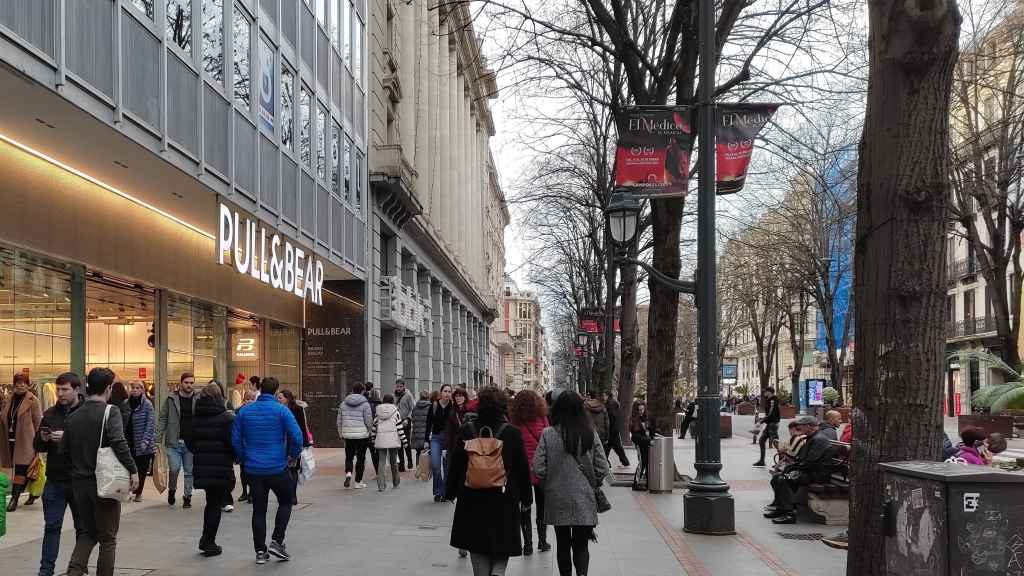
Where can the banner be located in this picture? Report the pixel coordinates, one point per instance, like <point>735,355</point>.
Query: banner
<point>267,87</point>
<point>653,150</point>
<point>738,127</point>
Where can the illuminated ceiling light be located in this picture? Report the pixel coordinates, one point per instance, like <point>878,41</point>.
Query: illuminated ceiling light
<point>103,185</point>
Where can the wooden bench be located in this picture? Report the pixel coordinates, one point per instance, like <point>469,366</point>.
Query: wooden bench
<point>829,502</point>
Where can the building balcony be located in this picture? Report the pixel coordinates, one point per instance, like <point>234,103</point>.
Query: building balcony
<point>402,308</point>
<point>961,269</point>
<point>394,179</point>
<point>970,327</point>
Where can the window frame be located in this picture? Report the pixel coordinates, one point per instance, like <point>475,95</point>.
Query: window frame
<point>239,10</point>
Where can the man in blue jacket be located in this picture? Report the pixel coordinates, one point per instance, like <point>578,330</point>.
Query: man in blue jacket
<point>256,436</point>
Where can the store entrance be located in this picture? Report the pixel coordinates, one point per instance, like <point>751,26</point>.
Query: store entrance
<point>120,329</point>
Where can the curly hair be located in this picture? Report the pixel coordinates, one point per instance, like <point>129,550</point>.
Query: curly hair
<point>527,406</point>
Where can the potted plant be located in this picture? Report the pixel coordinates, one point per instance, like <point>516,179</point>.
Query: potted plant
<point>786,408</point>
<point>994,404</point>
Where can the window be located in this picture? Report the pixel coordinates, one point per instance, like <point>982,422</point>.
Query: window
<point>336,160</point>
<point>359,179</point>
<point>321,11</point>
<point>357,49</point>
<point>243,89</point>
<point>332,30</point>
<point>146,6</point>
<point>213,39</point>
<point>321,142</point>
<point>951,308</point>
<point>348,170</point>
<point>287,98</point>
<point>179,23</point>
<point>969,304</point>
<point>304,116</point>
<point>346,31</point>
<point>267,79</point>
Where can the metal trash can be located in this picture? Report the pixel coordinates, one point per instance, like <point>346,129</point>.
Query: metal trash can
<point>679,421</point>
<point>948,519</point>
<point>661,465</point>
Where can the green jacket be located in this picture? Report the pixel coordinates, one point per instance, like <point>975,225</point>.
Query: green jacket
<point>168,426</point>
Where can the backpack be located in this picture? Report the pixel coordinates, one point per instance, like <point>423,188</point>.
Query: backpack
<point>486,466</point>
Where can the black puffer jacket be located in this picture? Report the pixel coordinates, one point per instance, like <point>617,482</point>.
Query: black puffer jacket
<point>210,444</point>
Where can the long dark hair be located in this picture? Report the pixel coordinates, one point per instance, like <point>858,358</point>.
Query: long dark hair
<point>118,394</point>
<point>492,403</point>
<point>290,396</point>
<point>636,420</point>
<point>573,423</point>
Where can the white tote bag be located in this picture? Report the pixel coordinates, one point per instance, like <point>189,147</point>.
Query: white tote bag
<point>113,481</point>
<point>307,465</point>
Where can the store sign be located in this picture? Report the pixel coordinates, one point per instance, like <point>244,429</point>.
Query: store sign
<point>244,348</point>
<point>267,84</point>
<point>265,255</point>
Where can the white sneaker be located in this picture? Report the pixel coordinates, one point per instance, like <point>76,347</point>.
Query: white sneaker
<point>359,485</point>
<point>228,508</point>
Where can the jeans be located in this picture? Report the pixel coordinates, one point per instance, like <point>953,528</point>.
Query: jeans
<point>57,496</point>
<point>784,490</point>
<point>389,455</point>
<point>216,498</point>
<point>572,549</point>
<point>615,443</point>
<point>438,442</point>
<point>260,488</point>
<point>99,520</point>
<point>177,458</point>
<point>142,462</point>
<point>484,565</point>
<point>355,448</point>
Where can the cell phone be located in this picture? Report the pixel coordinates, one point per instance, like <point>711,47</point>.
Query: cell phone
<point>45,429</point>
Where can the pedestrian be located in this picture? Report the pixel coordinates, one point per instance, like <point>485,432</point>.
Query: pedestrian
<point>141,432</point>
<point>388,440</point>
<point>639,433</point>
<point>770,421</point>
<point>266,437</point>
<point>598,415</point>
<point>374,396</point>
<point>119,400</point>
<point>419,424</point>
<point>437,438</point>
<point>91,426</point>
<point>614,433</point>
<point>973,438</point>
<point>406,404</point>
<point>689,416</point>
<point>57,494</point>
<point>488,506</point>
<point>248,398</point>
<point>457,415</point>
<point>355,420</point>
<point>529,414</point>
<point>173,429</point>
<point>298,409</point>
<point>830,427</point>
<point>568,457</point>
<point>236,396</point>
<point>214,458</point>
<point>21,415</point>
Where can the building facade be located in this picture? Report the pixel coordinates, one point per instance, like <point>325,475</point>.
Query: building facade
<point>525,365</point>
<point>185,182</point>
<point>437,214</point>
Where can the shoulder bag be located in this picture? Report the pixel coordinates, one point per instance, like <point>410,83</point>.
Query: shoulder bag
<point>113,481</point>
<point>603,505</point>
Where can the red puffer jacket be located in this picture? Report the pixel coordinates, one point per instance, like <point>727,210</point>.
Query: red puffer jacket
<point>531,432</point>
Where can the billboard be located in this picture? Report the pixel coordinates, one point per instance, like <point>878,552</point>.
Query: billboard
<point>737,127</point>
<point>267,87</point>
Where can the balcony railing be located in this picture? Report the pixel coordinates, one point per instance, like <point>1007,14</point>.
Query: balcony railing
<point>960,269</point>
<point>970,327</point>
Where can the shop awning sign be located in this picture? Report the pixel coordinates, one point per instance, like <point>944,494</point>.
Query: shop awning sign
<point>262,253</point>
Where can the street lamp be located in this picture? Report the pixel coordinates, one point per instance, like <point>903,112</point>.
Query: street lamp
<point>623,211</point>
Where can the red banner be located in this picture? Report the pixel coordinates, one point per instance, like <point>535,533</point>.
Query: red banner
<point>738,127</point>
<point>653,150</point>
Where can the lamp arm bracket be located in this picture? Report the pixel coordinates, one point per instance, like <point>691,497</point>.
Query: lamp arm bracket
<point>683,286</point>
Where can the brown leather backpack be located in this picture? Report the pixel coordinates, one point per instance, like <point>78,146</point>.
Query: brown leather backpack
<point>486,467</point>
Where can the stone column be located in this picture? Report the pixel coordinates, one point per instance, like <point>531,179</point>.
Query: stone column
<point>426,339</point>
<point>444,131</point>
<point>450,191</point>
<point>437,333</point>
<point>408,13</point>
<point>457,378</point>
<point>433,182</point>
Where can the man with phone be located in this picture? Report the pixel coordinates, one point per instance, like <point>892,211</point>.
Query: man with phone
<point>57,491</point>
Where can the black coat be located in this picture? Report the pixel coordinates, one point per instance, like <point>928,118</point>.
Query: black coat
<point>487,521</point>
<point>210,444</point>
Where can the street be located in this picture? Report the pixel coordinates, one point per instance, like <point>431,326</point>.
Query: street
<point>334,530</point>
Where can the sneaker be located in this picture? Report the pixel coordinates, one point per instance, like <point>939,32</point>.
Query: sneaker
<point>262,557</point>
<point>278,550</point>
<point>463,553</point>
<point>759,464</point>
<point>359,485</point>
<point>210,550</point>
<point>186,502</point>
<point>138,498</point>
<point>437,498</point>
<point>544,546</point>
<point>244,497</point>
<point>839,542</point>
<point>170,498</point>
<point>228,508</point>
<point>785,519</point>
<point>348,480</point>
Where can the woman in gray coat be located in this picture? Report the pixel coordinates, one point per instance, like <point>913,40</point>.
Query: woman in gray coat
<point>570,453</point>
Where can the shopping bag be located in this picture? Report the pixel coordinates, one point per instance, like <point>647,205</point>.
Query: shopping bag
<point>33,468</point>
<point>423,466</point>
<point>5,487</point>
<point>160,469</point>
<point>113,481</point>
<point>36,485</point>
<point>307,465</point>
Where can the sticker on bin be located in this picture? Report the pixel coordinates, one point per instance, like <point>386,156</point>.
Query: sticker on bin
<point>971,501</point>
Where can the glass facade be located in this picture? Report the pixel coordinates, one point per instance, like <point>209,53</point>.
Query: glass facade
<point>283,356</point>
<point>120,329</point>
<point>195,335</point>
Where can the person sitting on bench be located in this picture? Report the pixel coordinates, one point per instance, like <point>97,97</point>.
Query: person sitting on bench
<point>813,464</point>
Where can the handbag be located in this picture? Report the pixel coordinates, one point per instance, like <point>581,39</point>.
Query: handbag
<point>113,481</point>
<point>33,468</point>
<point>160,469</point>
<point>603,505</point>
<point>36,485</point>
<point>307,465</point>
<point>423,466</point>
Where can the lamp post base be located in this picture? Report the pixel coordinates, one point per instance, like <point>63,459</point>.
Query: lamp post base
<point>709,513</point>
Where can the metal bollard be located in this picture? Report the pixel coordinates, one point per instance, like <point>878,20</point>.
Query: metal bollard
<point>661,465</point>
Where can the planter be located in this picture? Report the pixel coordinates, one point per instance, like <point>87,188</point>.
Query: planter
<point>724,426</point>
<point>745,408</point>
<point>991,423</point>
<point>787,412</point>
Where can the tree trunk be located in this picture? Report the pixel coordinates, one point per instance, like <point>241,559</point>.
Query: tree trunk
<point>608,324</point>
<point>666,215</point>
<point>900,274</point>
<point>630,349</point>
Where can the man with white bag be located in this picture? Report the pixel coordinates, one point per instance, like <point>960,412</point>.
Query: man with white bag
<point>86,431</point>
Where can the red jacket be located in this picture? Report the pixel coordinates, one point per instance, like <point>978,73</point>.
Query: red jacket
<point>847,434</point>
<point>531,432</point>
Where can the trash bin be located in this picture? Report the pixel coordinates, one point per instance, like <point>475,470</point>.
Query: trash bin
<point>946,519</point>
<point>661,465</point>
<point>679,421</point>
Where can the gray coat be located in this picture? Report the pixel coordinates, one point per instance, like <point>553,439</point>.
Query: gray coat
<point>168,425</point>
<point>355,417</point>
<point>568,495</point>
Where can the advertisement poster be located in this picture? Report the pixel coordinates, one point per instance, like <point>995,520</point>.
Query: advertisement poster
<point>267,87</point>
<point>653,150</point>
<point>814,392</point>
<point>738,127</point>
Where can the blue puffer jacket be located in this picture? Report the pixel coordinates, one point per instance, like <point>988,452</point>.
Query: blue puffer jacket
<point>257,435</point>
<point>143,440</point>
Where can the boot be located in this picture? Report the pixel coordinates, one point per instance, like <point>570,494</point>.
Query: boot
<point>31,500</point>
<point>16,490</point>
<point>542,538</point>
<point>527,528</point>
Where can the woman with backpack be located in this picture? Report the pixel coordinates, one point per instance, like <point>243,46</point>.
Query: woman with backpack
<point>571,464</point>
<point>490,480</point>
<point>529,414</point>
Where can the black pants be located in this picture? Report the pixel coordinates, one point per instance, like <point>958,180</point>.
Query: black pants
<point>683,427</point>
<point>405,461</point>
<point>261,487</point>
<point>526,523</point>
<point>100,519</point>
<point>142,462</point>
<point>643,448</point>
<point>771,431</point>
<point>216,498</point>
<point>615,443</point>
<point>784,490</point>
<point>355,449</point>
<point>572,549</point>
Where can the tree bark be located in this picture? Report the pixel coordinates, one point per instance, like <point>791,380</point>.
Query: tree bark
<point>900,274</point>
<point>666,216</point>
<point>630,349</point>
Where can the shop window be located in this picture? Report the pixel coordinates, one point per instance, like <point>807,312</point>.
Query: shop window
<point>241,52</point>
<point>246,347</point>
<point>194,331</point>
<point>283,356</point>
<point>179,23</point>
<point>213,39</point>
<point>120,329</point>
<point>35,318</point>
